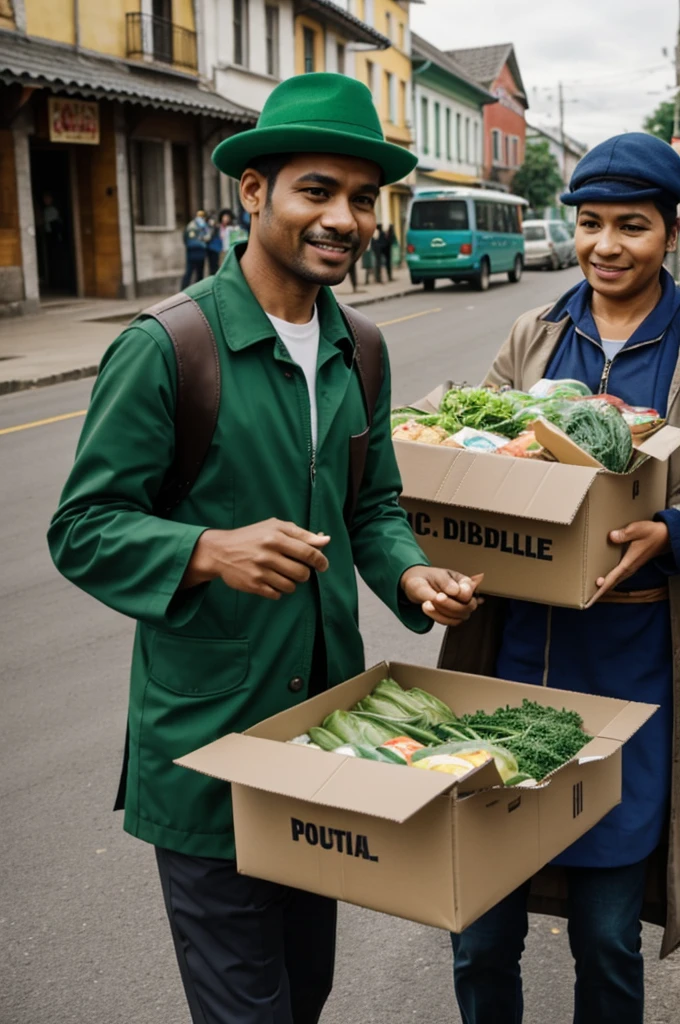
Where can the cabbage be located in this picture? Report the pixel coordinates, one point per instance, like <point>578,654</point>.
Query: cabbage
<point>599,429</point>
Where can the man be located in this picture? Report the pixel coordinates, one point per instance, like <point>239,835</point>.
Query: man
<point>197,234</point>
<point>389,241</point>
<point>246,596</point>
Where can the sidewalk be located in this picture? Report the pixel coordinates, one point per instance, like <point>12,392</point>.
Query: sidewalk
<point>67,339</point>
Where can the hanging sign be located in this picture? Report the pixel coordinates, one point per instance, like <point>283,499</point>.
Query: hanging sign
<point>73,121</point>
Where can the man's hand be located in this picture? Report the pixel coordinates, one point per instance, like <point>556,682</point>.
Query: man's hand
<point>646,540</point>
<point>268,559</point>
<point>443,594</point>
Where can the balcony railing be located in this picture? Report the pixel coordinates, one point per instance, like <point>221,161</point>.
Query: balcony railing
<point>157,39</point>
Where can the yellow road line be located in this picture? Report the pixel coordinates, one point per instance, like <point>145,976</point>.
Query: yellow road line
<point>43,423</point>
<point>411,316</point>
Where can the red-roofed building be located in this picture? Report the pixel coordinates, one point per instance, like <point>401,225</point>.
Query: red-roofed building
<point>496,68</point>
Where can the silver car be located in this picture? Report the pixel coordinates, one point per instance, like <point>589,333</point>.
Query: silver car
<point>548,244</point>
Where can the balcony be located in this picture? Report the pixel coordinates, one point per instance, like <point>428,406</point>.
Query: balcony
<point>149,37</point>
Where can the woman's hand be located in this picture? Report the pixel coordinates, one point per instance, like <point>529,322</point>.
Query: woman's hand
<point>443,594</point>
<point>646,540</point>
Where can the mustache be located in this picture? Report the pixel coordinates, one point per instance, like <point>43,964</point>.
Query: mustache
<point>351,240</point>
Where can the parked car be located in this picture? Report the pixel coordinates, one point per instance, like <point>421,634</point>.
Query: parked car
<point>464,234</point>
<point>548,244</point>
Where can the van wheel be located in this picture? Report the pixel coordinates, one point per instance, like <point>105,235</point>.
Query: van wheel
<point>428,284</point>
<point>481,280</point>
<point>515,275</point>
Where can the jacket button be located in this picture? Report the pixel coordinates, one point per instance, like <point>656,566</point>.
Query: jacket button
<point>296,684</point>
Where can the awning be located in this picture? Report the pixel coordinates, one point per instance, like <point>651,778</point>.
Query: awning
<point>452,177</point>
<point>38,64</point>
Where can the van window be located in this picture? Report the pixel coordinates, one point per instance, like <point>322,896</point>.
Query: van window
<point>498,219</point>
<point>440,215</point>
<point>534,233</point>
<point>483,216</point>
<point>512,220</point>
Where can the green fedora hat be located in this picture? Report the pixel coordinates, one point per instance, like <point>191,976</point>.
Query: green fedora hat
<point>316,113</point>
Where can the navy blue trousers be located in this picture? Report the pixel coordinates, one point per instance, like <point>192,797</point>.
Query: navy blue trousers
<point>249,951</point>
<point>604,934</point>
<point>194,268</point>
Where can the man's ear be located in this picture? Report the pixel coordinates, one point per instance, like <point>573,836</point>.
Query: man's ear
<point>253,191</point>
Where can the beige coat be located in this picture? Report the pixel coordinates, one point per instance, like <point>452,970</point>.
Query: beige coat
<point>473,647</point>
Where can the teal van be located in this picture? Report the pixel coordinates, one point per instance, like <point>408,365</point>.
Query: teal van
<point>464,234</point>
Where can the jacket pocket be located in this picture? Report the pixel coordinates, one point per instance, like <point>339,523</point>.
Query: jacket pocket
<point>194,667</point>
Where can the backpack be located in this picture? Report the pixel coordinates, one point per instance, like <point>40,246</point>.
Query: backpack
<point>199,389</point>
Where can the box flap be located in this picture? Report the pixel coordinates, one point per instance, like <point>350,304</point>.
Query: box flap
<point>662,444</point>
<point>628,721</point>
<point>545,491</point>
<point>432,401</point>
<point>317,777</point>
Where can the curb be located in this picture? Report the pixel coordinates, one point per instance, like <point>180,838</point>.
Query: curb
<point>8,387</point>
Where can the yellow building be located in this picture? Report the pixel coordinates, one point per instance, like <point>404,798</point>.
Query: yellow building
<point>106,129</point>
<point>369,40</point>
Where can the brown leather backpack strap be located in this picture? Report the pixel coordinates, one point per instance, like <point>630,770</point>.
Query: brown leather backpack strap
<point>198,394</point>
<point>368,359</point>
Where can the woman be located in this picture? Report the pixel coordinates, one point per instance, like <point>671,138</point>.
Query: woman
<point>619,332</point>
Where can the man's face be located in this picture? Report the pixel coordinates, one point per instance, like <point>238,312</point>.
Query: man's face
<point>319,217</point>
<point>621,246</point>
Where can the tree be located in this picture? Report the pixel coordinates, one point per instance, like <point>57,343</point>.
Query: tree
<point>660,123</point>
<point>538,180</point>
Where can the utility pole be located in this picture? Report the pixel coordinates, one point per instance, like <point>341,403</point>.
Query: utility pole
<point>562,135</point>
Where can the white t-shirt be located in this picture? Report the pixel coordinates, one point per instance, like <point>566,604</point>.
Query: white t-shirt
<point>611,348</point>
<point>302,343</point>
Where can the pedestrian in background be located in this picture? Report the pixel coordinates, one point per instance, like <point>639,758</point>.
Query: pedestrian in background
<point>197,234</point>
<point>618,331</point>
<point>227,229</point>
<point>389,240</point>
<point>372,259</point>
<point>214,248</point>
<point>246,595</point>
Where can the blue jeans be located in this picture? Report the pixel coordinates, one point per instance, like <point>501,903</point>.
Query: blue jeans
<point>194,267</point>
<point>604,907</point>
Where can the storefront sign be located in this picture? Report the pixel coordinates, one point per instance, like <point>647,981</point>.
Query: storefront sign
<point>73,121</point>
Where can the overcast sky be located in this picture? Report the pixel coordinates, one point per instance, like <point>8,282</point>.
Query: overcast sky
<point>606,52</point>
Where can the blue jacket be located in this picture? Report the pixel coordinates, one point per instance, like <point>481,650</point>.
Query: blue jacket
<point>623,651</point>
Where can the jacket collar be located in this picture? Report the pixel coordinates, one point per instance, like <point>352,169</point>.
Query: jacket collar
<point>245,323</point>
<point>575,304</point>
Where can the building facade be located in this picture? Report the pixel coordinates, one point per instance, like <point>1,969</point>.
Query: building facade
<point>448,118</point>
<point>496,68</point>
<point>106,129</point>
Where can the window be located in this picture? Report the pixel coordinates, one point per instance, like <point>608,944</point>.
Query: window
<point>498,213</point>
<point>507,150</point>
<point>467,140</point>
<point>241,32</point>
<point>515,151</point>
<point>180,182</point>
<point>558,233</point>
<point>391,86</point>
<point>449,155</point>
<point>340,58</point>
<point>369,13</point>
<point>388,26</point>
<point>309,41</point>
<point>437,130</point>
<point>272,39</point>
<point>497,142</point>
<point>459,138</point>
<point>483,216</point>
<point>475,154</point>
<point>370,76</point>
<point>162,30</point>
<point>148,193</point>
<point>402,36</point>
<point>403,112</point>
<point>534,233</point>
<point>440,215</point>
<point>425,123</point>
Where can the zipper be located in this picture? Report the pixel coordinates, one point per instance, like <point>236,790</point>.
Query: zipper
<point>604,379</point>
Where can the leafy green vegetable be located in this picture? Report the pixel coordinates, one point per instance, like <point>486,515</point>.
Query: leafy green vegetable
<point>541,738</point>
<point>361,729</point>
<point>324,738</point>
<point>600,429</point>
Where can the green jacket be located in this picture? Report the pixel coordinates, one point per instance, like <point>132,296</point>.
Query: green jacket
<point>212,660</point>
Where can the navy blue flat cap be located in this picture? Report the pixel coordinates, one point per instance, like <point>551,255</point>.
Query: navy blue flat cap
<point>634,166</point>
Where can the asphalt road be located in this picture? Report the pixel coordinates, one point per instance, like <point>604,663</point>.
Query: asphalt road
<point>83,936</point>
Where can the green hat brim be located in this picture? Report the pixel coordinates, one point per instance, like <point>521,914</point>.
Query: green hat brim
<point>234,155</point>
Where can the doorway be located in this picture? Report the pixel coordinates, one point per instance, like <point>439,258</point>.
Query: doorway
<point>52,206</point>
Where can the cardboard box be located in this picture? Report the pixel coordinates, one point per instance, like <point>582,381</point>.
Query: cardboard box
<point>416,844</point>
<point>537,530</point>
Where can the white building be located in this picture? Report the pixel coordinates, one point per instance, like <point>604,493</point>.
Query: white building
<point>448,115</point>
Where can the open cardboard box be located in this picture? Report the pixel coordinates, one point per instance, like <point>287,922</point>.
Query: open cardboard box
<point>417,844</point>
<point>537,530</point>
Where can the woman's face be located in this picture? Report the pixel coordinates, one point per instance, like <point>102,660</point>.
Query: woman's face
<point>621,246</point>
